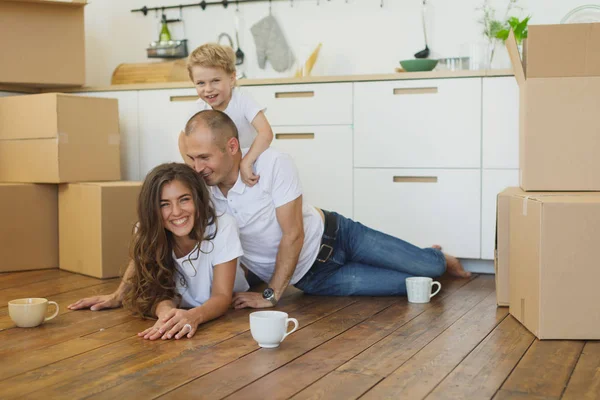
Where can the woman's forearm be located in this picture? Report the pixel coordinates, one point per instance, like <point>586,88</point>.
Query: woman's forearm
<point>214,307</point>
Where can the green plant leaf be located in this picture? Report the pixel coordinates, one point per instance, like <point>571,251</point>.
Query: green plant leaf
<point>503,34</point>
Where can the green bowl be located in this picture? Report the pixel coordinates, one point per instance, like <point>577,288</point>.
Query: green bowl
<point>418,64</point>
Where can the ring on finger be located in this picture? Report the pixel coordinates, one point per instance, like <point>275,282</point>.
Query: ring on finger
<point>188,326</point>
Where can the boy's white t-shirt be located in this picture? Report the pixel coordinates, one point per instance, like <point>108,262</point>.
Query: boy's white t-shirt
<point>242,109</point>
<point>197,267</point>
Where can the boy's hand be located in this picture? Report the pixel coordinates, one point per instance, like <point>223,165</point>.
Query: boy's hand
<point>248,176</point>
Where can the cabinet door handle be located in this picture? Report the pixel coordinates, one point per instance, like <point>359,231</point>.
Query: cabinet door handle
<point>423,90</point>
<point>415,179</point>
<point>184,98</point>
<point>291,95</point>
<point>294,136</point>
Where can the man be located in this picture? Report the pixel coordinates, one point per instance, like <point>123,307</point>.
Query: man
<point>286,241</point>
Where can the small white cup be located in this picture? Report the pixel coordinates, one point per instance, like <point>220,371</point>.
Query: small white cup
<point>419,289</point>
<point>269,328</point>
<point>30,312</point>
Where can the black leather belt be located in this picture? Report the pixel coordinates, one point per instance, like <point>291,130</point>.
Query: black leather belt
<point>328,239</point>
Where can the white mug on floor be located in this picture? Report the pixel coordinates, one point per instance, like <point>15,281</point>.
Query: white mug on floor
<point>269,328</point>
<point>419,289</point>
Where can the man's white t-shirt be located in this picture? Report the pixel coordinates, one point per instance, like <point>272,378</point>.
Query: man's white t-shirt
<point>196,268</point>
<point>242,109</point>
<point>254,210</point>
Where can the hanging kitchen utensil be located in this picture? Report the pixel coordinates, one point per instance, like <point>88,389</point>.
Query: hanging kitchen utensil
<point>425,52</point>
<point>239,54</point>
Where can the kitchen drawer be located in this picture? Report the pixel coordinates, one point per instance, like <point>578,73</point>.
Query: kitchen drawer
<point>494,181</point>
<point>500,123</point>
<point>307,104</point>
<point>323,156</point>
<point>418,123</point>
<point>423,207</point>
<point>128,125</point>
<point>162,116</point>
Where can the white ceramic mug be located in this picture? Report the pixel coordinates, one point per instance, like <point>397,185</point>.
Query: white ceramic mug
<point>419,289</point>
<point>269,328</point>
<point>30,312</point>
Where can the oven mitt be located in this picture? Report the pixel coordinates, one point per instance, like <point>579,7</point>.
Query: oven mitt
<point>271,45</point>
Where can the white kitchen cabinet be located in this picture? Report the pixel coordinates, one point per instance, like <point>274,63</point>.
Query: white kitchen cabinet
<point>500,123</point>
<point>422,206</point>
<point>128,125</point>
<point>434,123</point>
<point>162,116</point>
<point>493,182</point>
<point>306,104</point>
<point>323,156</point>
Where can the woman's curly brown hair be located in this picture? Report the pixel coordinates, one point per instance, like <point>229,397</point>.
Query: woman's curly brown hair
<point>152,245</point>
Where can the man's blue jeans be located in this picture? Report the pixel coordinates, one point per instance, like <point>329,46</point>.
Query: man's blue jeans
<point>365,262</point>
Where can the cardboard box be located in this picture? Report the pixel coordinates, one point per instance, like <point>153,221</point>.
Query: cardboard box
<point>96,220</point>
<point>559,82</point>
<point>53,138</point>
<point>43,43</point>
<point>502,245</point>
<point>553,261</point>
<point>29,228</point>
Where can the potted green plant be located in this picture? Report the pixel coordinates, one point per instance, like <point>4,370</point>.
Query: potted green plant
<point>497,29</point>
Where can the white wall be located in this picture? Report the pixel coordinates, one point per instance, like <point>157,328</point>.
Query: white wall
<point>358,36</point>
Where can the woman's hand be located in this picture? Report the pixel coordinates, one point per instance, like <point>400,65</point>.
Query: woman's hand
<point>248,176</point>
<point>178,323</point>
<point>154,332</point>
<point>97,302</point>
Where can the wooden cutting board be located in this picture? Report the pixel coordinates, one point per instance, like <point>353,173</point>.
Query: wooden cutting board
<point>151,72</point>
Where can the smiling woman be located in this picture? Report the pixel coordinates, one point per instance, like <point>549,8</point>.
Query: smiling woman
<point>184,266</point>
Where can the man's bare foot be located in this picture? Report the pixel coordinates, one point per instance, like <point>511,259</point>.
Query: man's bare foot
<point>455,268</point>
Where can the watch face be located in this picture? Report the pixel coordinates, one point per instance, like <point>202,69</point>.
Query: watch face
<point>267,293</point>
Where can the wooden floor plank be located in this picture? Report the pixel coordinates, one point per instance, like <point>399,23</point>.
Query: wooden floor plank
<point>101,369</point>
<point>543,371</point>
<point>295,376</point>
<point>482,373</point>
<point>16,279</point>
<point>585,381</point>
<point>241,372</point>
<point>384,357</point>
<point>64,299</point>
<point>47,288</point>
<point>171,373</point>
<point>60,329</point>
<point>423,372</point>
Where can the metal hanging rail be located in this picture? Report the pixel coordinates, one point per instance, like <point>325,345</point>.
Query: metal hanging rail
<point>203,4</point>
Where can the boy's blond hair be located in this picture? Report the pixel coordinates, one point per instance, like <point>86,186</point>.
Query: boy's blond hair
<point>212,55</point>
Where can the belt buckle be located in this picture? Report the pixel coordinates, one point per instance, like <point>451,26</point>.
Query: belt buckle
<point>328,255</point>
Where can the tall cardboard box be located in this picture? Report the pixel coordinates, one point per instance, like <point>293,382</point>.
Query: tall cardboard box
<point>502,245</point>
<point>42,42</point>
<point>53,138</point>
<point>553,261</point>
<point>559,83</point>
<point>96,220</point>
<point>29,227</point>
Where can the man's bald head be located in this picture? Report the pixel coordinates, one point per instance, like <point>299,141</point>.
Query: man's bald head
<point>217,122</point>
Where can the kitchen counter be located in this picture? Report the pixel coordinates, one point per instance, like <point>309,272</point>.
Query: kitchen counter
<point>283,81</point>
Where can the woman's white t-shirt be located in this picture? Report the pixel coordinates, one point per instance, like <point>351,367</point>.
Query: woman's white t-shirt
<point>242,109</point>
<point>196,268</point>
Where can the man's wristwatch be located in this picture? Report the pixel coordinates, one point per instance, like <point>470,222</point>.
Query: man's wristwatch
<point>269,294</point>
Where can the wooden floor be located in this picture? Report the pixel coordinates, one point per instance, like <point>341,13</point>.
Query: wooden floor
<point>458,346</point>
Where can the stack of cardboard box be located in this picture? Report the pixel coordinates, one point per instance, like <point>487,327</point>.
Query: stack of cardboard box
<point>547,267</point>
<point>62,201</point>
